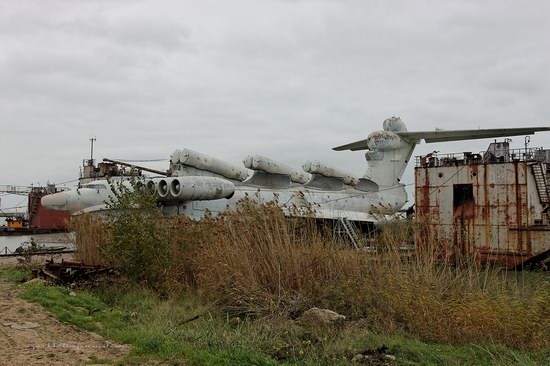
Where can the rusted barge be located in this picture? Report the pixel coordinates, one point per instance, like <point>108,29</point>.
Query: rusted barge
<point>493,206</point>
<point>38,219</point>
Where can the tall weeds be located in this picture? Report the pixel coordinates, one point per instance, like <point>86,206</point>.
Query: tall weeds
<point>258,262</point>
<point>91,240</point>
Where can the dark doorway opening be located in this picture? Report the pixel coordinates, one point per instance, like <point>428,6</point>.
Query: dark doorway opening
<point>463,200</point>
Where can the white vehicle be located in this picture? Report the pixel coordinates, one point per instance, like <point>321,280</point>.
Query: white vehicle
<point>198,182</point>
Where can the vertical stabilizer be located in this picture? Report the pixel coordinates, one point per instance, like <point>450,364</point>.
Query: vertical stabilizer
<point>387,155</point>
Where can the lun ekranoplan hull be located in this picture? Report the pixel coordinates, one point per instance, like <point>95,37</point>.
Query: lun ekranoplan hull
<point>196,183</point>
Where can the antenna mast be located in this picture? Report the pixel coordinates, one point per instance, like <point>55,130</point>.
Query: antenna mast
<point>92,150</point>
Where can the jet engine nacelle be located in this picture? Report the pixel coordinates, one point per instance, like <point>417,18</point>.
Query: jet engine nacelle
<point>192,188</point>
<point>383,141</point>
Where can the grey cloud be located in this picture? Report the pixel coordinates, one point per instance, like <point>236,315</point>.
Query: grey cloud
<point>286,79</point>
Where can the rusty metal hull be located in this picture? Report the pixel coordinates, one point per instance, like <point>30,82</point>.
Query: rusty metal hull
<point>43,218</point>
<point>492,212</point>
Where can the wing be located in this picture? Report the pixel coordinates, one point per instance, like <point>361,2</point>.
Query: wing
<point>456,135</point>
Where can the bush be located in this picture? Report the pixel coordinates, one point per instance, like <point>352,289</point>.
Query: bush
<point>137,240</point>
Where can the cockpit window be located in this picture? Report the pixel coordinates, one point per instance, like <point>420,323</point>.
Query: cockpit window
<point>94,186</point>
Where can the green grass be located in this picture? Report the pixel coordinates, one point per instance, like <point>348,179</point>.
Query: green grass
<point>414,352</point>
<point>98,361</point>
<point>151,326</point>
<point>14,273</point>
<point>260,262</point>
<point>156,330</point>
<point>83,309</point>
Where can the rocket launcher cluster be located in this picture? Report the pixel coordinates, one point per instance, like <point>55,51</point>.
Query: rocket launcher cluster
<point>187,157</point>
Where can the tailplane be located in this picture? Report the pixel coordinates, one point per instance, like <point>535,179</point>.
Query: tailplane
<point>390,150</point>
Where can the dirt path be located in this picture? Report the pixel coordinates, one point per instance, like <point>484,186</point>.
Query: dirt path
<point>29,335</point>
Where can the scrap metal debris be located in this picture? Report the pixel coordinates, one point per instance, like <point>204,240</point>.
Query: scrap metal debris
<point>72,272</point>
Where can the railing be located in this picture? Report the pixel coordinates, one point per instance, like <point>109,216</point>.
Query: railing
<point>5,251</point>
<point>23,190</point>
<point>11,213</point>
<point>15,189</point>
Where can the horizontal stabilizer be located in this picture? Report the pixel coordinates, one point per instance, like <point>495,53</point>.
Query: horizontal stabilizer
<point>456,135</point>
<point>357,145</point>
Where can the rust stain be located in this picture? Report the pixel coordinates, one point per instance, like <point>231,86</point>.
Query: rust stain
<point>495,227</point>
<point>519,221</point>
<point>486,216</point>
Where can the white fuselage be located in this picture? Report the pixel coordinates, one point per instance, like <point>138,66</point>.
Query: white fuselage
<point>347,203</point>
<point>297,200</point>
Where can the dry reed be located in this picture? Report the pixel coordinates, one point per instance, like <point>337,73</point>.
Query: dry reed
<point>91,240</point>
<point>256,261</point>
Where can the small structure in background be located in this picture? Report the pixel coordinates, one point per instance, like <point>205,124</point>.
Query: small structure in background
<point>42,218</point>
<point>493,206</point>
<point>38,219</point>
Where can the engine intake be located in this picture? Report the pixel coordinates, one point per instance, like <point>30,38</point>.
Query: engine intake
<point>199,188</point>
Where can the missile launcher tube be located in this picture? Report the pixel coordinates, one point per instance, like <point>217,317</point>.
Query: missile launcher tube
<point>306,166</point>
<point>248,161</point>
<point>209,163</point>
<point>327,170</point>
<point>259,162</point>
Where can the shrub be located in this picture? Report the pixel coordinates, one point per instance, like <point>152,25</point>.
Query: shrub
<point>137,240</point>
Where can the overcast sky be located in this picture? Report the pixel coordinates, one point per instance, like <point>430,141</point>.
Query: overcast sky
<point>286,79</point>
